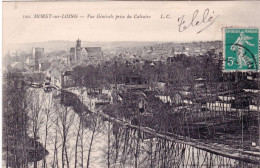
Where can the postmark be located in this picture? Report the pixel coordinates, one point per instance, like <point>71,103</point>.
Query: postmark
<point>241,49</point>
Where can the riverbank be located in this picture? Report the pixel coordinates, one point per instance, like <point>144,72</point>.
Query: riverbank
<point>219,149</point>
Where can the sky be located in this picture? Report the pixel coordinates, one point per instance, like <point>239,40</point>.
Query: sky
<point>17,29</point>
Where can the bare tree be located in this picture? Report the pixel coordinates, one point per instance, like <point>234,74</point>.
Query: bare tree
<point>35,106</point>
<point>65,119</point>
<point>15,121</point>
<point>21,117</point>
<point>48,110</point>
<point>76,144</point>
<point>94,129</point>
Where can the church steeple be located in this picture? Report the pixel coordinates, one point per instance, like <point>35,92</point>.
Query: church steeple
<point>78,46</point>
<point>78,51</point>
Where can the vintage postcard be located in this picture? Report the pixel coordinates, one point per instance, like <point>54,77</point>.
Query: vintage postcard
<point>131,84</point>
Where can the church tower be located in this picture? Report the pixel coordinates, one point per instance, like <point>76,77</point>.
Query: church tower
<point>78,45</point>
<point>78,51</point>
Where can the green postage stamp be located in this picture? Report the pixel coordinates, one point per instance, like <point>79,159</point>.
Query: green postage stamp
<point>241,49</point>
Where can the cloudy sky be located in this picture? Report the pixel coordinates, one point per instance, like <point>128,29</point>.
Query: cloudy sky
<point>17,29</point>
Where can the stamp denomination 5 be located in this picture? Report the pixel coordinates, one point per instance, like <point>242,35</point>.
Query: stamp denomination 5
<point>241,49</point>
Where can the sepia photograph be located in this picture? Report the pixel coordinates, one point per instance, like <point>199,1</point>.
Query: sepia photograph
<point>113,84</point>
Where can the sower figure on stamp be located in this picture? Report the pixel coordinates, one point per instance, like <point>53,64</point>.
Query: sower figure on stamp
<point>239,48</point>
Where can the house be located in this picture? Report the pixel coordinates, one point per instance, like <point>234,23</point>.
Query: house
<point>159,86</point>
<point>66,79</point>
<point>44,65</point>
<point>18,65</point>
<point>176,99</point>
<point>219,106</point>
<point>55,76</point>
<point>164,99</point>
<point>37,54</point>
<point>29,62</point>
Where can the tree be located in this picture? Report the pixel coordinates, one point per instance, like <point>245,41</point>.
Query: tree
<point>19,147</point>
<point>15,121</point>
<point>35,106</point>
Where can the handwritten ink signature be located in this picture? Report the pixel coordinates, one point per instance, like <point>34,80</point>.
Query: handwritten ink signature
<point>196,22</point>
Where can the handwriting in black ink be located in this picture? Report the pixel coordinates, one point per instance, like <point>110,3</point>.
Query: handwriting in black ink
<point>206,20</point>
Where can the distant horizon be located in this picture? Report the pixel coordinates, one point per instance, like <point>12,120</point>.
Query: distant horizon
<point>103,44</point>
<point>120,41</point>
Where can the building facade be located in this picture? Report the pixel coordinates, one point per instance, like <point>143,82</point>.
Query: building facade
<point>37,54</point>
<point>90,55</point>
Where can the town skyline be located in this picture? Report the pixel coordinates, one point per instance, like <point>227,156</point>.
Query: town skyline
<point>66,44</point>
